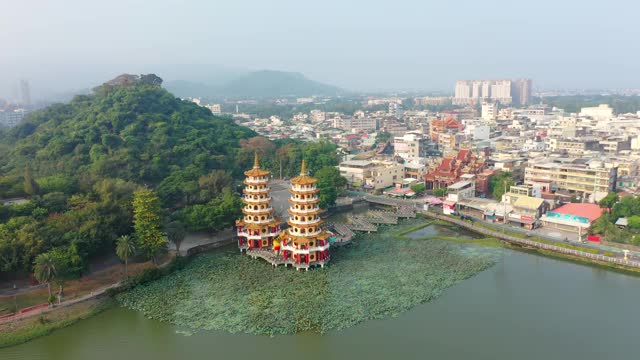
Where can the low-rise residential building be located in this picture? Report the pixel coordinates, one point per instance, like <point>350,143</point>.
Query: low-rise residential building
<point>457,192</point>
<point>527,208</point>
<point>573,217</point>
<point>449,140</point>
<point>594,179</point>
<point>573,146</point>
<point>355,124</point>
<point>371,174</point>
<point>412,145</point>
<point>601,112</point>
<point>505,143</point>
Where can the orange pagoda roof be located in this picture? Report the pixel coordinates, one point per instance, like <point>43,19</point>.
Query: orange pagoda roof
<point>256,171</point>
<point>304,178</point>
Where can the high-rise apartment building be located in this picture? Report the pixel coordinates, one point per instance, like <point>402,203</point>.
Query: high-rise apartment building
<point>25,93</point>
<point>504,91</point>
<point>521,91</point>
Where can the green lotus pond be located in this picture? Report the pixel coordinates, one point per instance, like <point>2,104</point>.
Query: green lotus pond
<point>376,277</point>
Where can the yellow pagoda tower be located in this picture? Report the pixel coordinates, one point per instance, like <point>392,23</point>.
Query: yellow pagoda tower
<point>304,243</point>
<point>258,227</point>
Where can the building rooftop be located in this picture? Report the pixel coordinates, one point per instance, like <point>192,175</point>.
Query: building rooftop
<point>460,185</point>
<point>623,221</point>
<point>528,202</point>
<point>356,163</point>
<point>589,211</point>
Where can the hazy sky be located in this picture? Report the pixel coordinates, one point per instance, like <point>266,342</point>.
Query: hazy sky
<point>417,44</point>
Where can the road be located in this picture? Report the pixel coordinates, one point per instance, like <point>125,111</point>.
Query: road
<point>543,233</point>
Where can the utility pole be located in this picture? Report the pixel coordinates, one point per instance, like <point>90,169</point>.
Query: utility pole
<point>505,203</point>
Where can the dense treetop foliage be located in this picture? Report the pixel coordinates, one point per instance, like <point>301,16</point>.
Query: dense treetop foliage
<point>137,132</point>
<point>615,208</point>
<point>500,183</point>
<point>79,164</point>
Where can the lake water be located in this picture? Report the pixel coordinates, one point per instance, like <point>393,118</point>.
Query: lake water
<point>525,307</point>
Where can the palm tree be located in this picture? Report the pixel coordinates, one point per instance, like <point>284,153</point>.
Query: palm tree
<point>45,270</point>
<point>176,233</point>
<point>125,248</point>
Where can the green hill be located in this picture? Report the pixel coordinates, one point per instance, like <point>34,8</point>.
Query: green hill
<point>80,162</point>
<point>127,129</point>
<point>268,83</point>
<point>257,84</point>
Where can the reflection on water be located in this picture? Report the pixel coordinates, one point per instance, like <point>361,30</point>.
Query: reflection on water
<point>442,230</point>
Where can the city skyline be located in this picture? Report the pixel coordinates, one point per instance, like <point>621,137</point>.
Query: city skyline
<point>338,44</point>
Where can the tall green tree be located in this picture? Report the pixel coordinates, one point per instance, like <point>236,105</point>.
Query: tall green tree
<point>500,183</point>
<point>147,222</point>
<point>176,233</point>
<point>329,184</point>
<point>45,270</point>
<point>418,188</point>
<point>609,201</point>
<point>125,248</point>
<point>31,187</point>
<point>440,192</point>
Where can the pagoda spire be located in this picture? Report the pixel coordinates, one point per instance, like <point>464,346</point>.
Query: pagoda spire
<point>256,161</point>
<point>303,168</point>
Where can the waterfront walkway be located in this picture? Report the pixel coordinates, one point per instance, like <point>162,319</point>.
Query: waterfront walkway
<point>532,244</point>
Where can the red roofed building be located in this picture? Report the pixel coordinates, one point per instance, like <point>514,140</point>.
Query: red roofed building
<point>451,168</point>
<point>438,126</point>
<point>574,217</point>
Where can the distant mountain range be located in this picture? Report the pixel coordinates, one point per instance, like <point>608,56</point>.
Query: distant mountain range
<point>257,84</point>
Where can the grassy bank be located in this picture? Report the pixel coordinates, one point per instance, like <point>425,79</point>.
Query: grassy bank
<point>23,330</point>
<point>494,242</point>
<point>489,242</point>
<point>20,331</point>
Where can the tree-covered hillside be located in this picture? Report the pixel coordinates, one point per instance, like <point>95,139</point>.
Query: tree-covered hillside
<point>77,168</point>
<point>137,132</point>
<point>78,164</point>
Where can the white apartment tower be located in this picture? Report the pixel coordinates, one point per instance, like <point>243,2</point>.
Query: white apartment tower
<point>503,91</point>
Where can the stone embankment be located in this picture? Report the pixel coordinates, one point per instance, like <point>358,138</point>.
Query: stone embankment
<point>534,244</point>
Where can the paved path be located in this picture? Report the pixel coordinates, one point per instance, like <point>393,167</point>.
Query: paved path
<point>533,244</point>
<point>196,239</point>
<point>543,233</point>
<point>38,311</point>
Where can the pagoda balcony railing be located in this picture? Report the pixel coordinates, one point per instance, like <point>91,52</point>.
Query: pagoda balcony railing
<point>315,198</point>
<point>306,211</point>
<point>259,211</point>
<point>295,250</point>
<point>256,181</point>
<point>307,190</point>
<point>305,222</point>
<point>309,234</point>
<point>256,191</point>
<point>266,221</point>
<point>257,200</point>
<point>257,237</point>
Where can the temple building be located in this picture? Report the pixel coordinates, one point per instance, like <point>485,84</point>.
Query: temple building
<point>450,170</point>
<point>304,244</point>
<point>258,227</point>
